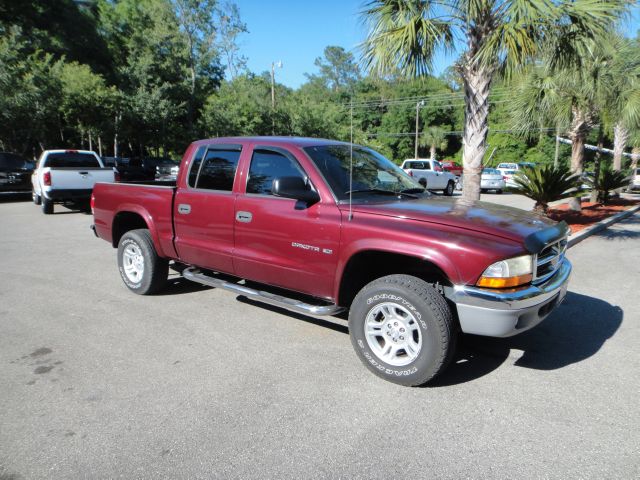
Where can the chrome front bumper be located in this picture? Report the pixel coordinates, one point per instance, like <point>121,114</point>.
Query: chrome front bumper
<point>499,313</point>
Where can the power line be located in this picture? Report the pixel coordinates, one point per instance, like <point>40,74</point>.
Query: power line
<point>414,99</point>
<point>460,132</point>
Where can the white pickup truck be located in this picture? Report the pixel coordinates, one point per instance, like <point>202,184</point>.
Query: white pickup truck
<point>67,176</point>
<point>431,172</point>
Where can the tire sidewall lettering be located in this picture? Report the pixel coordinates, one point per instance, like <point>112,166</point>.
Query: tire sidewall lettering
<point>402,301</point>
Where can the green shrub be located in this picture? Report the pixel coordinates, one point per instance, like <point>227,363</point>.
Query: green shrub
<point>609,181</point>
<point>546,184</point>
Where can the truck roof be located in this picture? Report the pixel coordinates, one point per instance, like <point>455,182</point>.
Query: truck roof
<point>275,141</point>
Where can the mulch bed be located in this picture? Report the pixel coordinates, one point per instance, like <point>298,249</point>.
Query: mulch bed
<point>591,212</point>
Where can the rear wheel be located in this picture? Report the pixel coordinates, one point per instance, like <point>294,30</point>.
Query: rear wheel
<point>47,206</point>
<point>36,198</point>
<point>141,269</point>
<point>499,191</point>
<point>402,329</point>
<point>450,188</point>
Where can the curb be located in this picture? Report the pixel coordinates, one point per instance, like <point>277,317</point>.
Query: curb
<point>601,225</point>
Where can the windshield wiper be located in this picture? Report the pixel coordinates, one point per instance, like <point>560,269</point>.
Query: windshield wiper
<point>413,190</point>
<point>406,193</point>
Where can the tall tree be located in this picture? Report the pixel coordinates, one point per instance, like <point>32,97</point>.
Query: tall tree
<point>338,69</point>
<point>434,137</point>
<point>499,35</point>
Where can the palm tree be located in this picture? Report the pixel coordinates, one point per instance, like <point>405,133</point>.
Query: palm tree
<point>498,35</point>
<point>622,97</point>
<point>572,98</point>
<point>434,137</point>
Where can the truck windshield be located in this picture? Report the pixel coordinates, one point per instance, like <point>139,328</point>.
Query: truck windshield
<point>71,160</point>
<point>372,173</point>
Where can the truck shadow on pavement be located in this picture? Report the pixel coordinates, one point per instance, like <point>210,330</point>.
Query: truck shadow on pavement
<point>575,331</point>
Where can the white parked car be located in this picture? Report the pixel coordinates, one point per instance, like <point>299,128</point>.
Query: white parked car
<point>508,170</point>
<point>67,176</point>
<point>431,172</point>
<point>635,179</point>
<point>491,179</point>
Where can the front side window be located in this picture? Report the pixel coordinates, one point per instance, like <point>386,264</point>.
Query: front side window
<point>372,173</point>
<point>267,165</point>
<point>217,171</point>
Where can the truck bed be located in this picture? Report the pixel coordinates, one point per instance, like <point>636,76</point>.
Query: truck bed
<point>151,200</point>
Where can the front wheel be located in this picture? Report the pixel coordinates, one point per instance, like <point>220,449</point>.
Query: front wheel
<point>450,187</point>
<point>402,329</point>
<point>141,269</point>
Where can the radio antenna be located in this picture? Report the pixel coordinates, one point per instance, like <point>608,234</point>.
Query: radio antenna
<point>351,163</point>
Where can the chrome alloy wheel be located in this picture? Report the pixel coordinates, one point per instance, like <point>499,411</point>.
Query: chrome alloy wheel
<point>393,334</point>
<point>133,262</point>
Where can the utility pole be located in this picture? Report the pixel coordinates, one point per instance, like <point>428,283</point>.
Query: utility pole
<point>418,105</point>
<point>273,94</point>
<point>273,82</point>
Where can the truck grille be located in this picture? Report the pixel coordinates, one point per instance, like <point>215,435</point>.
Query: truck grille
<point>549,260</point>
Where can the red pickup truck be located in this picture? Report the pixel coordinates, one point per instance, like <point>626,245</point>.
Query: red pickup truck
<point>320,226</point>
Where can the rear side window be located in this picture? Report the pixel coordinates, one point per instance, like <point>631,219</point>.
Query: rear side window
<point>418,166</point>
<point>217,171</point>
<point>266,165</point>
<point>71,160</point>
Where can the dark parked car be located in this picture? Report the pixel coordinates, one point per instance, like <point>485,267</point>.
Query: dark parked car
<point>15,173</point>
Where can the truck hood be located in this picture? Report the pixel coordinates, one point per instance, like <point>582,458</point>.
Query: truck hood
<point>488,218</point>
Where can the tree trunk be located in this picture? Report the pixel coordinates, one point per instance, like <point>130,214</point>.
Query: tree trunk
<point>433,152</point>
<point>115,136</point>
<point>99,146</point>
<point>596,166</point>
<point>477,84</point>
<point>635,155</point>
<point>620,139</point>
<point>90,141</point>
<point>580,126</point>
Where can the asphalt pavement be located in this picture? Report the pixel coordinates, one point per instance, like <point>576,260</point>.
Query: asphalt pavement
<point>97,382</point>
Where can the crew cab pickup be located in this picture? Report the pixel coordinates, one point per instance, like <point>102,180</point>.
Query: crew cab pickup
<point>67,176</point>
<point>431,174</point>
<point>320,226</point>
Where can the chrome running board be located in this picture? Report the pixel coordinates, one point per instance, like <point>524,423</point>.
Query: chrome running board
<point>297,306</point>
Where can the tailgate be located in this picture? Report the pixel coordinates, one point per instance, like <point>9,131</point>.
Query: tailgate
<point>79,178</point>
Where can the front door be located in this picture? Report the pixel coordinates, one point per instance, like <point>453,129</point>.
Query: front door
<point>280,241</point>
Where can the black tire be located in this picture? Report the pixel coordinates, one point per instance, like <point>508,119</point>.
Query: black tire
<point>36,198</point>
<point>431,314</point>
<point>499,191</point>
<point>154,271</point>
<point>483,190</point>
<point>47,206</point>
<point>450,188</point>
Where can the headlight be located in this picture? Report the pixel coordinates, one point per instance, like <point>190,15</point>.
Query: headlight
<point>508,273</point>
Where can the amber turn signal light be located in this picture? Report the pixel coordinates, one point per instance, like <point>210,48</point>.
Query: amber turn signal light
<point>507,282</point>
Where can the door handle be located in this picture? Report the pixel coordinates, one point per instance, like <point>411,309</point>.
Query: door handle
<point>184,208</point>
<point>244,217</point>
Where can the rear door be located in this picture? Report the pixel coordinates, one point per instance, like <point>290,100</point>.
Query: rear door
<point>280,241</point>
<point>204,209</point>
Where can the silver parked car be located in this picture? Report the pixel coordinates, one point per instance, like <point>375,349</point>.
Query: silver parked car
<point>491,179</point>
